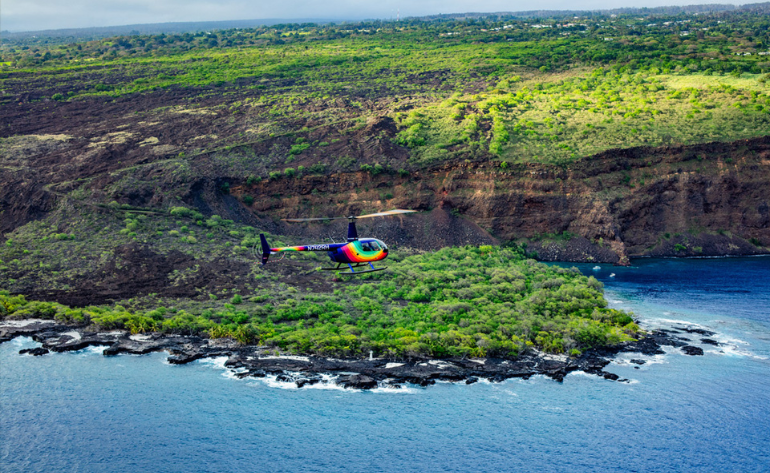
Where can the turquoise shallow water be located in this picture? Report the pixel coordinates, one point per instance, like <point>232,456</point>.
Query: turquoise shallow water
<point>84,412</point>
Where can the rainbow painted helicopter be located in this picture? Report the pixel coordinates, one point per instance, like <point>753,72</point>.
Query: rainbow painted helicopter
<point>355,253</point>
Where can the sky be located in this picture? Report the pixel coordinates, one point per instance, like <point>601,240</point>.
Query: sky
<point>31,15</point>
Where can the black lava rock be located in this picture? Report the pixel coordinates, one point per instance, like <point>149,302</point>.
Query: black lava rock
<point>357,381</point>
<point>306,382</point>
<point>709,341</point>
<point>234,362</point>
<point>112,350</point>
<point>185,358</point>
<point>471,380</point>
<point>34,351</point>
<point>699,331</point>
<point>692,351</point>
<point>284,378</point>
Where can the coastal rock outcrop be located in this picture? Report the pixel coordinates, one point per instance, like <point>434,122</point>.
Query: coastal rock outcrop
<point>39,351</point>
<point>357,381</point>
<point>258,362</point>
<point>692,351</point>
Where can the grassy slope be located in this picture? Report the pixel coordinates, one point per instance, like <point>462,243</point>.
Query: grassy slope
<point>477,94</point>
<point>565,117</point>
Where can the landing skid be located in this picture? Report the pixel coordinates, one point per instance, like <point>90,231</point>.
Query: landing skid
<point>352,271</point>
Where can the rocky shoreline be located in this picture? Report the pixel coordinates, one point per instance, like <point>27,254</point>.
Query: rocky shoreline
<point>257,361</point>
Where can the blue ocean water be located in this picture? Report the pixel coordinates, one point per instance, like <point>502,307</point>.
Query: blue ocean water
<point>83,412</point>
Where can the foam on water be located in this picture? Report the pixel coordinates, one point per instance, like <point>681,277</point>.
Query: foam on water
<point>285,357</point>
<point>22,343</point>
<point>733,347</point>
<point>90,351</point>
<point>217,362</point>
<point>581,373</point>
<point>405,389</point>
<point>326,383</point>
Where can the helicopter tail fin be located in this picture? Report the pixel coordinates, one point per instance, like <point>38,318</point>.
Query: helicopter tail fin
<point>352,232</point>
<point>265,248</point>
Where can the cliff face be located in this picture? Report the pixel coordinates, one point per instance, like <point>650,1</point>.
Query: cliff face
<point>705,200</point>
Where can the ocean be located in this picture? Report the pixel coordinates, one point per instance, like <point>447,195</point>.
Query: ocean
<point>83,412</point>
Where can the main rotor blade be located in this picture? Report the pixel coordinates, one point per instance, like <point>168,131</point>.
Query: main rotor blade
<point>378,214</point>
<point>310,219</point>
<point>387,213</point>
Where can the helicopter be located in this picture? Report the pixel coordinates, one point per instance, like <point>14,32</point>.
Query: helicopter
<point>355,253</point>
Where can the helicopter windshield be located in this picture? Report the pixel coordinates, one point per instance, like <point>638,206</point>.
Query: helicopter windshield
<point>371,245</point>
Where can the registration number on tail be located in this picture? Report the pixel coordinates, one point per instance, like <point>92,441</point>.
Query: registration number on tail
<point>318,247</point>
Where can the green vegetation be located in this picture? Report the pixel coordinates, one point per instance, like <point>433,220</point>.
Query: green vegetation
<point>482,301</point>
<point>514,89</point>
<point>567,116</point>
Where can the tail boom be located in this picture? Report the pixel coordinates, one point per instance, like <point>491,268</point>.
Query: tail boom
<point>267,251</point>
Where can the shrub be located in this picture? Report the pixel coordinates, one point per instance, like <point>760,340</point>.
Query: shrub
<point>289,172</point>
<point>236,299</point>
<point>180,212</point>
<point>248,200</point>
<point>317,168</point>
<point>412,137</point>
<point>345,162</point>
<point>299,148</point>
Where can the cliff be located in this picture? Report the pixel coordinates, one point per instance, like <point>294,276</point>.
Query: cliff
<point>705,200</point>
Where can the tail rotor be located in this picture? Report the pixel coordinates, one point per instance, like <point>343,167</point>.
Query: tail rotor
<point>265,248</point>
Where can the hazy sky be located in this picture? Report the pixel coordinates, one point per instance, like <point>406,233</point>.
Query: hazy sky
<point>26,15</point>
